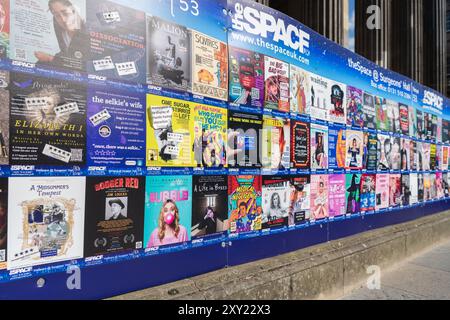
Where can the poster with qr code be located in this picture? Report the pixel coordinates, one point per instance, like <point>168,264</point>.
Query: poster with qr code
<point>48,121</point>
<point>37,36</point>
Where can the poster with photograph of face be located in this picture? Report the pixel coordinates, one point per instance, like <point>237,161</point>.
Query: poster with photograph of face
<point>276,79</point>
<point>319,197</point>
<point>368,192</point>
<point>45,220</point>
<point>115,215</point>
<point>421,130</point>
<point>276,195</point>
<point>336,195</point>
<point>51,33</point>
<point>427,192</point>
<point>439,185</point>
<point>369,111</point>
<point>393,116</point>
<point>406,190</point>
<point>300,91</point>
<point>420,187</point>
<point>353,193</point>
<point>384,152</point>
<point>382,114</point>
<point>414,188</point>
<point>319,97</point>
<point>354,150</point>
<point>413,156</point>
<point>405,154</point>
<point>300,205</point>
<point>426,156</point>
<point>355,115</point>
<point>276,144</point>
<point>395,190</point>
<point>382,191</point>
<point>337,103</point>
<point>395,153</point>
<point>319,147</point>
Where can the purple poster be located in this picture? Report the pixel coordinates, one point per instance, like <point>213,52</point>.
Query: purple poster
<point>116,128</point>
<point>336,198</point>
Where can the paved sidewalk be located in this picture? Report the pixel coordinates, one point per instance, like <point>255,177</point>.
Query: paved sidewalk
<point>425,277</point>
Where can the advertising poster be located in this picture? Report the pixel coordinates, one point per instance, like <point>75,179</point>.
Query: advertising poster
<point>420,187</point>
<point>369,112</point>
<point>445,158</point>
<point>445,131</point>
<point>430,129</point>
<point>426,156</point>
<point>353,193</point>
<point>4,28</point>
<point>319,197</point>
<point>3,221</point>
<point>395,190</point>
<point>245,203</point>
<point>405,154</point>
<point>209,206</point>
<point>319,147</point>
<point>421,130</point>
<point>384,152</point>
<point>370,157</point>
<point>243,140</point>
<point>276,196</point>
<point>404,118</point>
<point>276,79</point>
<point>414,188</point>
<point>337,103</point>
<point>42,36</point>
<point>45,220</point>
<point>300,90</point>
<point>368,192</point>
<point>406,190</point>
<point>168,210</point>
<point>209,67</point>
<point>319,97</point>
<point>210,136</point>
<point>433,156</point>
<point>336,146</point>
<point>427,192</point>
<point>382,191</point>
<point>115,128</point>
<point>117,41</point>
<point>413,156</point>
<point>439,185</point>
<point>445,184</point>
<point>336,197</point>
<point>4,118</point>
<point>382,114</point>
<point>395,154</point>
<point>114,216</point>
<point>439,130</point>
<point>48,121</point>
<point>433,187</point>
<point>439,159</point>
<point>355,114</point>
<point>413,131</point>
<point>169,56</point>
<point>300,144</point>
<point>169,132</point>
<point>276,143</point>
<point>354,150</point>
<point>393,116</point>
<point>246,78</point>
<point>300,202</point>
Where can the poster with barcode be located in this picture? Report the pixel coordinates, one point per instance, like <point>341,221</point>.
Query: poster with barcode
<point>4,118</point>
<point>51,33</point>
<point>48,121</point>
<point>209,67</point>
<point>45,220</point>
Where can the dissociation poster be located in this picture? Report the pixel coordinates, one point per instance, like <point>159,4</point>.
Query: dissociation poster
<point>48,121</point>
<point>115,215</point>
<point>209,206</point>
<point>246,78</point>
<point>276,143</point>
<point>245,203</point>
<point>276,197</point>
<point>168,210</point>
<point>117,41</point>
<point>169,132</point>
<point>169,56</point>
<point>319,147</point>
<point>3,221</point>
<point>300,91</point>
<point>276,82</point>
<point>319,197</point>
<point>319,97</point>
<point>115,128</point>
<point>45,220</point>
<point>4,118</point>
<point>209,67</point>
<point>210,136</point>
<point>300,144</point>
<point>336,195</point>
<point>244,140</point>
<point>300,201</point>
<point>52,33</point>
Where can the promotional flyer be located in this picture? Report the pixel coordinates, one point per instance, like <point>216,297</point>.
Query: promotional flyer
<point>276,143</point>
<point>300,201</point>
<point>276,197</point>
<point>300,145</point>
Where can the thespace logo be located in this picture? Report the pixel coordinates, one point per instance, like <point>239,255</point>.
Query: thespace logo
<point>432,99</point>
<point>262,24</point>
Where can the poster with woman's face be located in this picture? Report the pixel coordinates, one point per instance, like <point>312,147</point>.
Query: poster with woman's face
<point>319,197</point>
<point>319,147</point>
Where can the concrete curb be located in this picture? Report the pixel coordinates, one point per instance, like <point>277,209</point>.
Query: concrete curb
<point>327,270</point>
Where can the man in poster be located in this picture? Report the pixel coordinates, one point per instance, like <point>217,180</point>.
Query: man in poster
<point>117,207</point>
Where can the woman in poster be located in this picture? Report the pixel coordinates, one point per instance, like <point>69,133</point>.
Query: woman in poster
<point>169,230</point>
<point>70,31</point>
<point>354,151</point>
<point>320,202</point>
<point>209,222</point>
<point>276,211</point>
<point>353,205</point>
<point>319,155</point>
<point>300,92</point>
